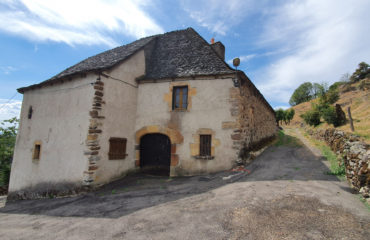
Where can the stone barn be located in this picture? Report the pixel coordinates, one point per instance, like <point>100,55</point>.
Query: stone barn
<point>167,104</point>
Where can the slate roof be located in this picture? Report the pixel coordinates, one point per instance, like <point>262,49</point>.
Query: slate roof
<point>184,53</point>
<point>180,53</point>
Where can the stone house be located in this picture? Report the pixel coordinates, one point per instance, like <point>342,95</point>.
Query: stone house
<point>167,103</point>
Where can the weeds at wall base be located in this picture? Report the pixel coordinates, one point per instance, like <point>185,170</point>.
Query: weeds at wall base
<point>337,167</point>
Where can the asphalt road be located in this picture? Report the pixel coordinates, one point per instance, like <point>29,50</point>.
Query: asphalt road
<point>285,194</point>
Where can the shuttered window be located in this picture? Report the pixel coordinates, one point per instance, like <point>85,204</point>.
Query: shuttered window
<point>205,145</point>
<point>117,148</point>
<point>180,98</point>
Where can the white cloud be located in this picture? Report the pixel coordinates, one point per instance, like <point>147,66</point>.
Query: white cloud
<point>77,22</point>
<point>324,40</point>
<point>7,69</point>
<point>244,58</point>
<point>218,15</point>
<point>9,109</point>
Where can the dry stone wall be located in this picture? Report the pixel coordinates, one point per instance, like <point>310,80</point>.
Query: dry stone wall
<point>355,155</point>
<point>255,121</point>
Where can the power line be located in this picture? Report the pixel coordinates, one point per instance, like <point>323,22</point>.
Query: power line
<point>4,104</point>
<point>107,76</point>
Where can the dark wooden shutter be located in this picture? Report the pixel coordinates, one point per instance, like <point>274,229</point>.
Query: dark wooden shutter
<point>117,148</point>
<point>205,145</point>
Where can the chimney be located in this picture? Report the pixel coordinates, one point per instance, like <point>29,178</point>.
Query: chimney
<point>219,48</point>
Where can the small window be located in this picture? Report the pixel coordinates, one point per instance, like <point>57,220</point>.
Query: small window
<point>36,151</point>
<point>205,145</point>
<point>180,98</point>
<point>117,148</point>
<point>30,111</point>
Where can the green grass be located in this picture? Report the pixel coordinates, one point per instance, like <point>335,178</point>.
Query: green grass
<point>363,200</point>
<point>363,135</point>
<point>286,140</point>
<point>337,167</point>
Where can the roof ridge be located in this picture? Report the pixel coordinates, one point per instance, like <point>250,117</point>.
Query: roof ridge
<point>178,53</point>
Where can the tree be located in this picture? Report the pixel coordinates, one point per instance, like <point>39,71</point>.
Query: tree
<point>290,114</point>
<point>301,94</point>
<point>361,72</point>
<point>345,78</point>
<point>284,115</point>
<point>8,133</point>
<point>279,115</point>
<point>317,90</point>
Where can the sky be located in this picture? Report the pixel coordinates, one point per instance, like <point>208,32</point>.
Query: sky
<point>281,44</point>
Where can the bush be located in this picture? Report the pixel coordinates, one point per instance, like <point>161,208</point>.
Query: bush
<point>8,133</point>
<point>334,115</point>
<point>328,114</point>
<point>335,86</point>
<point>332,96</point>
<point>311,117</point>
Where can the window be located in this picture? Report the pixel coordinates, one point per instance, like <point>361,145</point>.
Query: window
<point>205,145</point>
<point>117,148</point>
<point>180,98</point>
<point>30,111</point>
<point>36,151</point>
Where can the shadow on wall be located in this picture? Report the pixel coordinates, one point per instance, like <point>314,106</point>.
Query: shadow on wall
<point>138,191</point>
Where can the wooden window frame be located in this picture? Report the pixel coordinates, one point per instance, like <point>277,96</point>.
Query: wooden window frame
<point>205,145</point>
<point>36,153</point>
<point>117,148</point>
<point>181,94</point>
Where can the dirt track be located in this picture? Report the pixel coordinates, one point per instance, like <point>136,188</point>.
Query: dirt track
<point>287,195</point>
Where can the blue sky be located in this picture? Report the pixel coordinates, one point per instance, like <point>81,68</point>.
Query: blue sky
<point>281,44</point>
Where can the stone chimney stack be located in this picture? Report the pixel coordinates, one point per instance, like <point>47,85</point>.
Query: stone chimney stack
<point>219,49</point>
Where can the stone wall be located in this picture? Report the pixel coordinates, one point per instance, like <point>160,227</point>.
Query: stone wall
<point>255,123</point>
<point>355,155</point>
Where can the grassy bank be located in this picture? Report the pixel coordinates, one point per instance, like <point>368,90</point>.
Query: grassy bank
<point>336,163</point>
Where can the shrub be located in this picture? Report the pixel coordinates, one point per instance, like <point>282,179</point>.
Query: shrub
<point>311,117</point>
<point>334,115</point>
<point>8,132</point>
<point>328,114</point>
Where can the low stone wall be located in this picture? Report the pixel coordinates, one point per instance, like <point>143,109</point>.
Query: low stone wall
<point>355,154</point>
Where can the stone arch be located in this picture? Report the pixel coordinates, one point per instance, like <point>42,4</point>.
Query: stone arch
<point>174,136</point>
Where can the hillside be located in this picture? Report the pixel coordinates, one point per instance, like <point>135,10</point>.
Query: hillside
<point>350,96</point>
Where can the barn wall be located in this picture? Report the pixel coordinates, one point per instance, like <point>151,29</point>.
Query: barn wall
<point>118,112</point>
<point>209,108</point>
<point>59,123</point>
<point>255,123</point>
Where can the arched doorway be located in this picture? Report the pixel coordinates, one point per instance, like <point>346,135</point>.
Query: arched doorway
<point>155,154</point>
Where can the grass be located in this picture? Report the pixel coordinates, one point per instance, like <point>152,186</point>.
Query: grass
<point>363,200</point>
<point>286,140</point>
<point>337,167</point>
<point>359,102</point>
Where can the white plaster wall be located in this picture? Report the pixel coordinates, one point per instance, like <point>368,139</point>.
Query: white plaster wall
<point>120,115</point>
<point>60,121</point>
<point>210,107</point>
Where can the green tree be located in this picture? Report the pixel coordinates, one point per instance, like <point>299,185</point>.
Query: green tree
<point>317,90</point>
<point>361,72</point>
<point>8,133</point>
<point>301,94</point>
<point>290,114</point>
<point>279,115</point>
